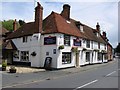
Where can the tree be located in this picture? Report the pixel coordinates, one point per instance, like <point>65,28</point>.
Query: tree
<point>9,24</point>
<point>118,48</point>
<point>21,22</point>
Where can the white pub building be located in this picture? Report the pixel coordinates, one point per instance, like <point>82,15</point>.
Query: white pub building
<point>64,41</point>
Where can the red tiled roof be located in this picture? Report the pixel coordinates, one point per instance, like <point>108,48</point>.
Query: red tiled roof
<point>89,32</point>
<point>55,23</point>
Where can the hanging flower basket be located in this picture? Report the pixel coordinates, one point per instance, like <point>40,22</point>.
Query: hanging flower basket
<point>103,51</point>
<point>33,53</point>
<point>74,49</point>
<point>84,49</point>
<point>61,47</point>
<point>97,50</point>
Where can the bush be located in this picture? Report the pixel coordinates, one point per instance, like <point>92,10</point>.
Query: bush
<point>4,63</point>
<point>61,47</point>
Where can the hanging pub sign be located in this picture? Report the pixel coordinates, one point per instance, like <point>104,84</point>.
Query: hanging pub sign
<point>77,42</point>
<point>49,40</point>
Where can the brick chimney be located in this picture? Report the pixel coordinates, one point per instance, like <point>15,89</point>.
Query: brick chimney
<point>98,27</point>
<point>66,12</point>
<point>15,25</point>
<point>38,18</point>
<point>104,35</point>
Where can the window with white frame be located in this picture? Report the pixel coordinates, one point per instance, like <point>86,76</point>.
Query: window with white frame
<point>66,40</point>
<point>87,56</point>
<point>24,39</point>
<point>81,28</point>
<point>66,57</point>
<point>88,43</point>
<point>99,56</point>
<point>106,56</point>
<point>24,55</point>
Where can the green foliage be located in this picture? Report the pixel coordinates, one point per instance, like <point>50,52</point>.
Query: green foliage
<point>74,49</point>
<point>8,24</point>
<point>21,22</point>
<point>4,63</point>
<point>61,47</point>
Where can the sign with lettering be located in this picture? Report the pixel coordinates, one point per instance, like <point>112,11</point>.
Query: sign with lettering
<point>49,40</point>
<point>77,42</point>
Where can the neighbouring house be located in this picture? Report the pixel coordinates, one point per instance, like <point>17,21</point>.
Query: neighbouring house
<point>109,47</point>
<point>67,42</point>
<point>7,46</point>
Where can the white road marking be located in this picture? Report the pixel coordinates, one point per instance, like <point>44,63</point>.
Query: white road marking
<point>110,73</point>
<point>86,84</point>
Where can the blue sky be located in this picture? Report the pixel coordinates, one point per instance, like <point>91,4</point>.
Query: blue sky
<point>88,12</point>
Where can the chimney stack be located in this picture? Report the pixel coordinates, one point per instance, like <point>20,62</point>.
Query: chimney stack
<point>66,12</point>
<point>38,18</point>
<point>104,35</point>
<point>15,25</point>
<point>98,27</point>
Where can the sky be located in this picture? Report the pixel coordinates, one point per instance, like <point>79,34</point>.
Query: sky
<point>88,12</point>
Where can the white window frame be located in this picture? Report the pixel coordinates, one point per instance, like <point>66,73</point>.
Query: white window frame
<point>24,56</point>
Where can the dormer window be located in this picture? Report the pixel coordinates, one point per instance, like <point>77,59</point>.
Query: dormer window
<point>96,33</point>
<point>79,26</point>
<point>77,23</point>
<point>24,39</point>
<point>68,21</point>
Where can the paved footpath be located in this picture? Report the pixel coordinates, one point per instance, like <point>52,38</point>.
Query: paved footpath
<point>11,80</point>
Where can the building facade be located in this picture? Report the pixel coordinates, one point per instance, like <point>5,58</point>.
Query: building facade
<point>67,42</point>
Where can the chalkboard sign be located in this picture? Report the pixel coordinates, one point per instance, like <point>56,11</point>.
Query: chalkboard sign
<point>77,42</point>
<point>49,40</point>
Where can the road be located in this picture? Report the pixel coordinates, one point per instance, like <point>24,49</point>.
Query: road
<point>105,76</point>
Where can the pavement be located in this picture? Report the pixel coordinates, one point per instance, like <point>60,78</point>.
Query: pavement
<point>12,80</point>
<point>23,69</point>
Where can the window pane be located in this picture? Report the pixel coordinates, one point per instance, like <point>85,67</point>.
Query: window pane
<point>24,56</point>
<point>88,44</point>
<point>66,58</point>
<point>67,40</point>
<point>24,39</point>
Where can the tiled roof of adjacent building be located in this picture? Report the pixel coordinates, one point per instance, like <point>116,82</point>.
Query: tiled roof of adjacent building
<point>4,31</point>
<point>9,45</point>
<point>25,30</point>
